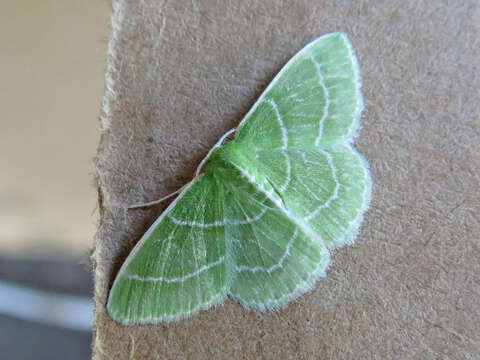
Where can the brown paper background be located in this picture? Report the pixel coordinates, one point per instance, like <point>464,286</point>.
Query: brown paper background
<point>182,73</point>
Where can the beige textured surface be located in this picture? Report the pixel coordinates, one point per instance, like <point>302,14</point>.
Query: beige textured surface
<point>182,73</point>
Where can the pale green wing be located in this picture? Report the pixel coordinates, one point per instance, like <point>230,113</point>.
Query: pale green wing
<point>297,138</point>
<point>276,257</point>
<point>180,265</point>
<point>315,100</point>
<point>328,189</point>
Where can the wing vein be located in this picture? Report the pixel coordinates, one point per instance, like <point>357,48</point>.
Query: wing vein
<point>327,99</point>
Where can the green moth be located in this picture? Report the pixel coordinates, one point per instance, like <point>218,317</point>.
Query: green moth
<point>259,223</point>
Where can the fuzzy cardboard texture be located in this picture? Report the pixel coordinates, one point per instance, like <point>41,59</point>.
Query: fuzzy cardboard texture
<point>182,73</point>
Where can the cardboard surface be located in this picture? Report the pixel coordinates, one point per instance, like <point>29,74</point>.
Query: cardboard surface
<point>182,73</point>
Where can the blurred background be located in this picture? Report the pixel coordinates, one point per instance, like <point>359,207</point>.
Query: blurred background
<point>52,76</point>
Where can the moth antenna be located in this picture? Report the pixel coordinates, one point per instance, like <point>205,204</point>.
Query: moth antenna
<point>155,202</point>
<point>218,144</point>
